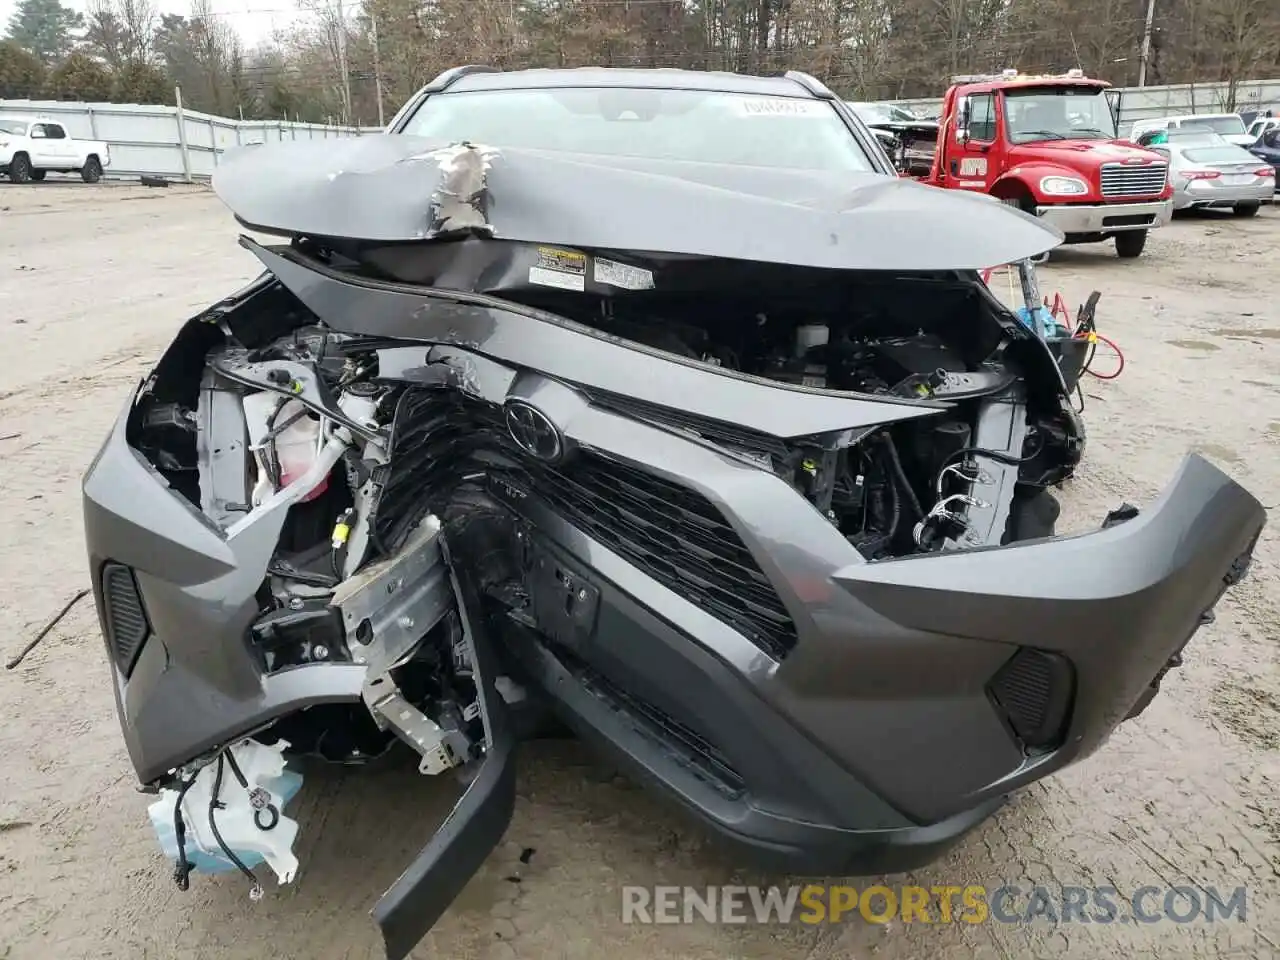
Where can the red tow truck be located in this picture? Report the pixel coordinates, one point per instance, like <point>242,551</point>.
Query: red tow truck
<point>1048,145</point>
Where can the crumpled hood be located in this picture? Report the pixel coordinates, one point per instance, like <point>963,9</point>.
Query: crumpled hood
<point>389,188</point>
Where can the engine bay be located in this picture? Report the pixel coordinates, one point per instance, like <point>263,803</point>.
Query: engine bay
<point>892,491</point>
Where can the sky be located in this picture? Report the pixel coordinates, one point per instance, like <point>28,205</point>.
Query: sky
<point>254,20</point>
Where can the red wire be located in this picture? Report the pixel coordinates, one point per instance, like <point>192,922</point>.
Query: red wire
<point>1119,356</point>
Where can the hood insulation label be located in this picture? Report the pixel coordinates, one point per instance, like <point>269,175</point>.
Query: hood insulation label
<point>622,275</point>
<point>565,269</point>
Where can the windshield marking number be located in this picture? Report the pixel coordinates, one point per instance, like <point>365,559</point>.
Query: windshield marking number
<point>779,107</point>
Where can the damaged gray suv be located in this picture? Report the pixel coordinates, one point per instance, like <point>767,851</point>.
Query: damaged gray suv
<point>651,403</point>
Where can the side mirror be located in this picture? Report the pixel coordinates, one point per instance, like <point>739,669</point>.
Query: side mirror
<point>1113,104</point>
<point>964,113</point>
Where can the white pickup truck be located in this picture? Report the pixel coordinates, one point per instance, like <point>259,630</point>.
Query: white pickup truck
<point>31,147</point>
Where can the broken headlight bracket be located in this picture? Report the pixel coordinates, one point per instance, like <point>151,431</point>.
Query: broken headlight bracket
<point>387,609</point>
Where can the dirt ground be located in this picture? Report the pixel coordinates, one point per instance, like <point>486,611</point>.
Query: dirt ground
<point>93,283</point>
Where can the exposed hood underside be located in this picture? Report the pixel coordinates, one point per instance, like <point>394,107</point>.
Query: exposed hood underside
<point>394,188</point>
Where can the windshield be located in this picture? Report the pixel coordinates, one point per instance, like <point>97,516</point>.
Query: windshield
<point>1225,125</point>
<point>684,125</point>
<point>1064,113</point>
<point>16,127</point>
<point>1227,154</point>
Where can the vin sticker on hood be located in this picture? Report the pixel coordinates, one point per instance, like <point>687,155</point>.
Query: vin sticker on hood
<point>565,269</point>
<point>623,275</point>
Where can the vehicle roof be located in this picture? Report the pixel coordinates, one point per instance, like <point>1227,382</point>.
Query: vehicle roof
<point>1184,145</point>
<point>1192,116</point>
<point>657,77</point>
<point>1197,143</point>
<point>1011,83</point>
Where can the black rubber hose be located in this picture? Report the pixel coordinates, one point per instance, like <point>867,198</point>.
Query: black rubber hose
<point>236,771</point>
<point>215,805</point>
<point>896,515</point>
<point>182,869</point>
<point>901,476</point>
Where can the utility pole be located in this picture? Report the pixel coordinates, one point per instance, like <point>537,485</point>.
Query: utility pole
<point>342,65</point>
<point>1146,44</point>
<point>377,67</point>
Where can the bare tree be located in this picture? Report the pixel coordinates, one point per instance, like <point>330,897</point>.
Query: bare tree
<point>1246,36</point>
<point>870,49</point>
<point>138,17</point>
<point>104,34</point>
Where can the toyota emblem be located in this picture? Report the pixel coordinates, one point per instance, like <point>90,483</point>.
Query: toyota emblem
<point>533,431</point>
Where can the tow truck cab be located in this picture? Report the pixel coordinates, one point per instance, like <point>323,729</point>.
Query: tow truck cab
<point>1049,145</point>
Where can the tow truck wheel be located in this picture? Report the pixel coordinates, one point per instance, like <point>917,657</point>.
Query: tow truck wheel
<point>37,175</point>
<point>1130,243</point>
<point>1245,209</point>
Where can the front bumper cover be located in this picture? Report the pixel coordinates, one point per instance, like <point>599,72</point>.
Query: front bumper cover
<point>906,647</point>
<point>870,747</point>
<point>1107,217</point>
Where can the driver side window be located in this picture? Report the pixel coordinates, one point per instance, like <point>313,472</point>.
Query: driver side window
<point>37,132</point>
<point>982,118</point>
<point>54,132</point>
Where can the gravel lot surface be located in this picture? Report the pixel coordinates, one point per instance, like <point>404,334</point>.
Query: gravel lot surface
<point>94,281</point>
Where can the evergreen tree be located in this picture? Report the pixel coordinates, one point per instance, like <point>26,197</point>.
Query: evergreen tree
<point>80,77</point>
<point>142,83</point>
<point>45,27</point>
<point>21,72</point>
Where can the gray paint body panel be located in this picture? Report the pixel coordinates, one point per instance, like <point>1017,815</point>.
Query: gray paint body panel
<point>381,188</point>
<point>903,648</point>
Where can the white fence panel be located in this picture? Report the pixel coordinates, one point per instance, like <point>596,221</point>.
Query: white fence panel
<point>1141,103</point>
<point>144,139</point>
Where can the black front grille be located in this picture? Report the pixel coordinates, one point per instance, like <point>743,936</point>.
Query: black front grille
<point>126,620</point>
<point>675,536</point>
<point>671,533</point>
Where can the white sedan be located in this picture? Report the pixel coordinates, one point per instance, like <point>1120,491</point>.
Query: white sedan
<point>1214,173</point>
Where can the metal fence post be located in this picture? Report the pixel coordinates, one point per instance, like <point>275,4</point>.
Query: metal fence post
<point>182,134</point>
<point>213,141</point>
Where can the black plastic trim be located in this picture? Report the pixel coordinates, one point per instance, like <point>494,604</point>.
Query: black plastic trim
<point>430,884</point>
<point>122,603</point>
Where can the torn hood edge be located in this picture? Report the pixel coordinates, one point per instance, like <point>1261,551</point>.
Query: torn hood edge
<point>392,188</point>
